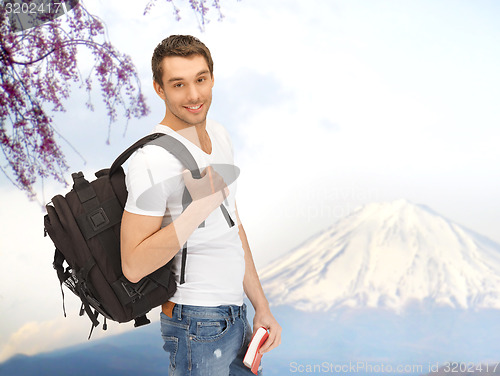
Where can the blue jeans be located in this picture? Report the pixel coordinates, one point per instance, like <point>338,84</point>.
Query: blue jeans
<point>207,341</point>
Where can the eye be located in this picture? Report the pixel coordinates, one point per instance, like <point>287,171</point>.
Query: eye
<point>178,85</point>
<point>201,79</point>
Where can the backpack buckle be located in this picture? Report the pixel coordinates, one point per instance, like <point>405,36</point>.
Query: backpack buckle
<point>98,219</point>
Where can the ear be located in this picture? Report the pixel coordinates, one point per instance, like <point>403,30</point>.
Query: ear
<point>159,90</point>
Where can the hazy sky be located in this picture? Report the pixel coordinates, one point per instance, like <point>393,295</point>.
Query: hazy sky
<point>331,105</point>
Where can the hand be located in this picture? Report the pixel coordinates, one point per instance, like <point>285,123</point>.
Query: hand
<point>267,320</point>
<point>211,186</point>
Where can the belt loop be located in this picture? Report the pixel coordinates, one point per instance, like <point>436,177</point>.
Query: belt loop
<point>232,313</point>
<point>180,311</point>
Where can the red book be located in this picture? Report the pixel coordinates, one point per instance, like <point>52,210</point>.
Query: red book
<point>253,356</point>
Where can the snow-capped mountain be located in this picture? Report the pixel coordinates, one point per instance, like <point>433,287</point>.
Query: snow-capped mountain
<point>388,255</point>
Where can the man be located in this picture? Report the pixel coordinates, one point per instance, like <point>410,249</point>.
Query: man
<point>204,324</point>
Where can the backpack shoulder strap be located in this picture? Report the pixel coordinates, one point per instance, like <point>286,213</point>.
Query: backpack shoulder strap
<point>178,150</point>
<point>169,143</point>
<point>181,152</point>
<point>149,139</point>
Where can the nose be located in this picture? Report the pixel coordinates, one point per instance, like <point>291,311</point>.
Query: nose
<point>193,94</point>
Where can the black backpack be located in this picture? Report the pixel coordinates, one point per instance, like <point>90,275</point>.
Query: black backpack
<point>85,228</point>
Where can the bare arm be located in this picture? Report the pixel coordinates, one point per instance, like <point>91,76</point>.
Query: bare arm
<point>145,247</point>
<point>253,289</point>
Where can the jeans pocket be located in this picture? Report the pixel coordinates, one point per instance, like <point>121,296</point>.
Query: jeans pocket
<point>171,345</point>
<point>210,329</point>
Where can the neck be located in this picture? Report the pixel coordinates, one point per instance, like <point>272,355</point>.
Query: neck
<point>179,125</point>
<point>196,133</point>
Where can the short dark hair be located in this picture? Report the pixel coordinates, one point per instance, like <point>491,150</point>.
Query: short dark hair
<point>178,45</point>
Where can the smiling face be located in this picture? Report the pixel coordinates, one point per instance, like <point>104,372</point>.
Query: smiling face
<point>186,90</point>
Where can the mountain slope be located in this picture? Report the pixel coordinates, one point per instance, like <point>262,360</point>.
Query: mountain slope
<point>388,255</point>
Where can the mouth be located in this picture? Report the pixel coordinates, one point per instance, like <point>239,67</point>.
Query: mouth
<point>194,109</point>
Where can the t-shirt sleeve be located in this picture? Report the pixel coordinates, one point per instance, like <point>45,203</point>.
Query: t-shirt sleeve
<point>153,176</point>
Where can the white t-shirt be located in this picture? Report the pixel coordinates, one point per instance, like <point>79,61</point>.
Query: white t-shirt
<point>215,264</point>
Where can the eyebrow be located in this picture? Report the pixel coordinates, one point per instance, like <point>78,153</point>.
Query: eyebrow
<point>200,73</point>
